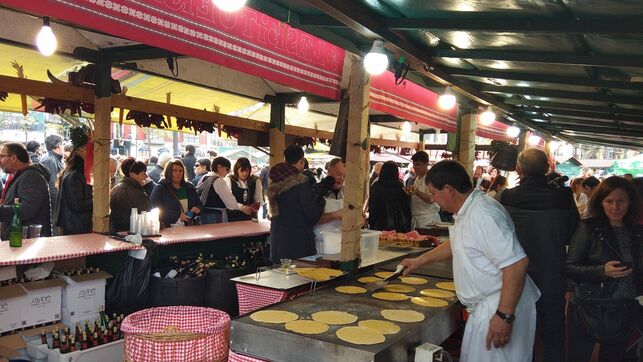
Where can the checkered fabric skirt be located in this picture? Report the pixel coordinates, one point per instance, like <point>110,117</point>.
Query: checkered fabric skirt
<point>179,333</point>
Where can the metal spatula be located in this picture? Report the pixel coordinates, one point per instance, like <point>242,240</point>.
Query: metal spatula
<point>380,283</point>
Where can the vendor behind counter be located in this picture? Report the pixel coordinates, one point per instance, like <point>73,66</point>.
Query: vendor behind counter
<point>175,197</point>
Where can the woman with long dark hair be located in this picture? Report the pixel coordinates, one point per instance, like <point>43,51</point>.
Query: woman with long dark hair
<point>75,202</point>
<point>388,204</point>
<point>175,197</point>
<point>604,260</point>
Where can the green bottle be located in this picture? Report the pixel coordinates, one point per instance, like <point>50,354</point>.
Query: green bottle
<point>15,232</point>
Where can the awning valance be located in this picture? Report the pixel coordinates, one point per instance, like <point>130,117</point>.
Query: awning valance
<point>247,41</point>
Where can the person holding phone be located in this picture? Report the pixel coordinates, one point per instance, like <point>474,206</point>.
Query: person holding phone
<point>604,260</point>
<point>175,197</point>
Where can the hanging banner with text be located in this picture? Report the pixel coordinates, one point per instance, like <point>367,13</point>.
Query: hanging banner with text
<point>410,102</point>
<point>247,41</point>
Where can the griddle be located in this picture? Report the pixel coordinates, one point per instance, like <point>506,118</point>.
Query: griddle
<point>440,269</point>
<point>273,342</point>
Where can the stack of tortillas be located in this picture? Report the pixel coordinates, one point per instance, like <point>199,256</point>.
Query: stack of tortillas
<point>318,274</point>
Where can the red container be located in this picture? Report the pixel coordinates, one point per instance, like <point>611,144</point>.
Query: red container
<point>178,333</point>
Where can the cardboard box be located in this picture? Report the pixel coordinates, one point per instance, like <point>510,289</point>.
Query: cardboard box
<point>110,352</point>
<point>83,294</point>
<point>11,300</point>
<point>11,344</point>
<point>42,304</point>
<point>71,321</point>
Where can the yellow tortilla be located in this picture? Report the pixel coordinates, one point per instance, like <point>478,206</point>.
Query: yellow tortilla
<point>273,316</point>
<point>390,296</point>
<point>413,280</point>
<point>360,335</point>
<point>349,289</point>
<point>384,274</point>
<point>334,317</point>
<point>399,288</point>
<point>318,274</point>
<point>446,286</point>
<point>383,327</point>
<point>429,302</point>
<point>401,315</point>
<point>368,279</point>
<point>437,293</point>
<point>307,327</point>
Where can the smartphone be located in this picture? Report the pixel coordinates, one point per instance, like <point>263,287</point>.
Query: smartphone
<point>624,264</point>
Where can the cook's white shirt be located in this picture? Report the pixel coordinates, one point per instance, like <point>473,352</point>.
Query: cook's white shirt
<point>483,241</point>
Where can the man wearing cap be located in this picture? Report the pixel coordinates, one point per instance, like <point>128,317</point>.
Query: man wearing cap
<point>29,184</point>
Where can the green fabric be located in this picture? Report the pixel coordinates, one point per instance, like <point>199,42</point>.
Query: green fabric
<point>630,165</point>
<point>182,193</point>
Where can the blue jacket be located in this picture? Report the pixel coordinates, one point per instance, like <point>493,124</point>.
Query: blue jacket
<point>164,198</point>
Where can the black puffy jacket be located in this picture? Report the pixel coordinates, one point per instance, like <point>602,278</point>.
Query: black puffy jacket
<point>75,203</point>
<point>593,245</point>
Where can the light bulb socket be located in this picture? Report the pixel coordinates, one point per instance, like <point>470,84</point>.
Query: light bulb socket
<point>46,21</point>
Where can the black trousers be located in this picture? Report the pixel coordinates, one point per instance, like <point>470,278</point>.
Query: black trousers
<point>551,325</point>
<point>581,347</point>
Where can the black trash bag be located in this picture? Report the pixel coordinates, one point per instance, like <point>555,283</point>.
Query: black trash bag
<point>129,290</point>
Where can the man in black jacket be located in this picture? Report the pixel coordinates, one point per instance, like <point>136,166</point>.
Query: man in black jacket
<point>53,161</point>
<point>27,183</point>
<point>545,218</point>
<point>189,160</point>
<point>294,208</point>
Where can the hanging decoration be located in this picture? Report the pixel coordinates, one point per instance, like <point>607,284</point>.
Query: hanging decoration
<point>446,155</point>
<point>376,149</point>
<point>144,119</point>
<point>57,106</point>
<point>233,132</point>
<point>3,96</point>
<point>196,126</point>
<point>21,74</point>
<point>305,141</point>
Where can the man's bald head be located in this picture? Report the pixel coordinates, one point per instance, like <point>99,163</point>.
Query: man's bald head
<point>532,162</point>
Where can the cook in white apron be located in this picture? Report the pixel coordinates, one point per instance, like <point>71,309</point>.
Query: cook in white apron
<point>332,205</point>
<point>478,288</point>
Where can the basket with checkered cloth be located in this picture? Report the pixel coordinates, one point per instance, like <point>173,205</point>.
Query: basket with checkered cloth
<point>178,333</point>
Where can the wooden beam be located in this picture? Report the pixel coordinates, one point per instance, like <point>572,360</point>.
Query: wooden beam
<point>552,93</point>
<point>357,149</point>
<point>308,132</point>
<point>44,89</point>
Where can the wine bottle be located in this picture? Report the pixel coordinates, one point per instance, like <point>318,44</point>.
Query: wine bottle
<point>43,337</point>
<point>55,344</point>
<point>84,345</point>
<point>15,231</point>
<point>72,344</point>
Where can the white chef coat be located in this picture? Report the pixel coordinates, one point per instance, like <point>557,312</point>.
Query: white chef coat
<point>424,213</point>
<point>483,241</point>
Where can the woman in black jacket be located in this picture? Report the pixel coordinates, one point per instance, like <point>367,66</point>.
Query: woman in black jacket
<point>128,194</point>
<point>388,204</point>
<point>175,197</point>
<point>75,202</point>
<point>246,189</point>
<point>604,260</point>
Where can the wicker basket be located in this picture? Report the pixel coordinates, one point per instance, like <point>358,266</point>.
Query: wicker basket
<point>180,333</point>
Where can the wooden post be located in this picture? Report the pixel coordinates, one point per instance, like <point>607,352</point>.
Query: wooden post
<point>357,148</point>
<point>277,135</point>
<point>102,139</point>
<point>522,140</point>
<point>467,144</point>
<point>421,143</point>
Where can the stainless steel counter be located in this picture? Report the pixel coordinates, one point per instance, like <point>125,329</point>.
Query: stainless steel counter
<point>273,342</point>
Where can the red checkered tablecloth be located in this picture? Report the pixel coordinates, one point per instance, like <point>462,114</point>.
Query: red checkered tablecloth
<point>252,297</point>
<point>179,333</point>
<point>41,250</point>
<point>235,357</point>
<point>201,233</point>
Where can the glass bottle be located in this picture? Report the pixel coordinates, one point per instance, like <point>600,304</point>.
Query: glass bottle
<point>15,232</point>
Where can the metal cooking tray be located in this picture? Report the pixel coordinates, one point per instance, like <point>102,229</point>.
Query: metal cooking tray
<point>274,342</point>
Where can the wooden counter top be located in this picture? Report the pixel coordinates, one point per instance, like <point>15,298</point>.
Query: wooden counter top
<point>55,248</point>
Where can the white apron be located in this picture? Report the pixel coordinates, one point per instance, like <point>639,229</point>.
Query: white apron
<point>332,205</point>
<point>472,285</point>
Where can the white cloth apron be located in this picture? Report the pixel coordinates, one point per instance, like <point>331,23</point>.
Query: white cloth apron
<point>332,205</point>
<point>473,287</point>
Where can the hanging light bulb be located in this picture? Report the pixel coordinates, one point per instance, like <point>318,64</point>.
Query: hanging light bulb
<point>46,40</point>
<point>534,140</point>
<point>447,99</point>
<point>487,117</point>
<point>513,131</point>
<point>553,146</point>
<point>303,106</point>
<point>376,61</point>
<point>406,127</point>
<point>229,5</point>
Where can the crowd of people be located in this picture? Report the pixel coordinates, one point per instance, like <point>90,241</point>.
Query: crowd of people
<point>541,259</point>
